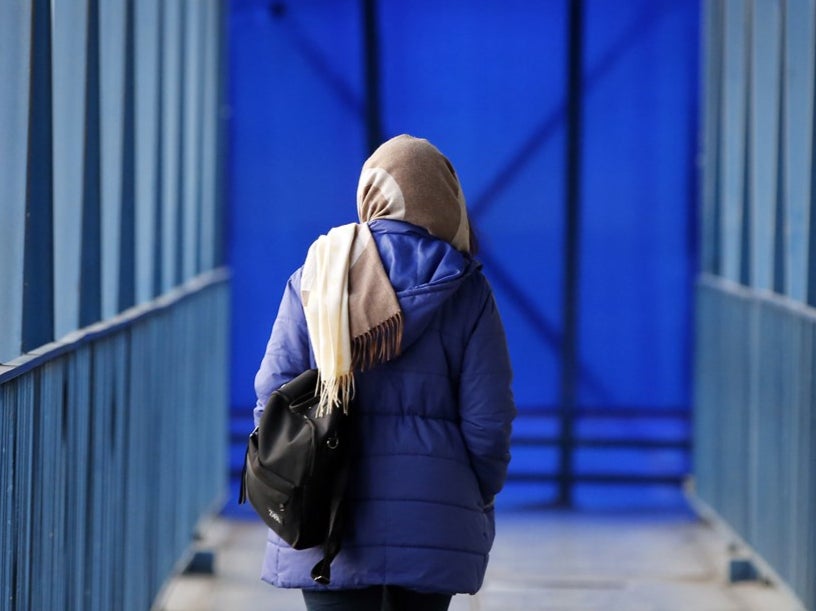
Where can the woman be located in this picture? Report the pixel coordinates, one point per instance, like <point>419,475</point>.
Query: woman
<point>402,325</point>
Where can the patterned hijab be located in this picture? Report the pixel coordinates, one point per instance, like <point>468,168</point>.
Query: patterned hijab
<point>352,313</point>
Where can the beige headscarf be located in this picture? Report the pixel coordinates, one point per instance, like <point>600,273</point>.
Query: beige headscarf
<point>408,179</point>
<point>352,312</point>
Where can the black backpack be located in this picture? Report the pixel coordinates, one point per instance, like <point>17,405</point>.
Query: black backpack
<point>296,469</point>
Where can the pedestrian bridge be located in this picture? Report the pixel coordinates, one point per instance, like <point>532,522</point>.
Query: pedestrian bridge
<point>642,176</point>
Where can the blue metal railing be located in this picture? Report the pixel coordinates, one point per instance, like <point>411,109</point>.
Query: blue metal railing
<point>112,448</point>
<point>755,424</point>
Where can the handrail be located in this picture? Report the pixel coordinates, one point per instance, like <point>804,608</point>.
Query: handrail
<point>35,358</point>
<point>112,450</point>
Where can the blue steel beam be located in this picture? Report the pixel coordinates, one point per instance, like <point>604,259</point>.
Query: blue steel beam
<point>811,288</point>
<point>200,126</point>
<point>38,268</point>
<point>371,57</point>
<point>158,211</point>
<point>178,242</point>
<point>746,221</point>
<point>90,289</point>
<point>570,304</point>
<point>222,137</point>
<point>779,208</point>
<point>713,261</point>
<point>127,220</point>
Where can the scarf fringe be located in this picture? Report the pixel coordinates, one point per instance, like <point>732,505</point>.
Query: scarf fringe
<point>335,392</point>
<point>377,345</point>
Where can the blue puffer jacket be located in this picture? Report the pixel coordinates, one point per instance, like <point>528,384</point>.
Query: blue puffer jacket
<point>434,427</point>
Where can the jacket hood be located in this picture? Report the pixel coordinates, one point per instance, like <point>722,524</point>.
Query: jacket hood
<point>424,271</point>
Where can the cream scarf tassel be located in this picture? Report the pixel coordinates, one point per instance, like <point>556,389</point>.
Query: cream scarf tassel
<point>345,337</point>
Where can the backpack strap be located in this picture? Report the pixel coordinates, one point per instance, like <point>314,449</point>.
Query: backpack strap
<point>321,572</point>
<point>242,492</point>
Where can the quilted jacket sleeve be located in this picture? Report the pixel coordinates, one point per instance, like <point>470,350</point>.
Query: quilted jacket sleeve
<point>287,351</point>
<point>486,400</point>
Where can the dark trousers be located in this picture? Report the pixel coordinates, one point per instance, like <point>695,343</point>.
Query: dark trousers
<point>377,598</point>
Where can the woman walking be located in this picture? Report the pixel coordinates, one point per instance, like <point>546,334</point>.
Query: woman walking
<point>397,316</point>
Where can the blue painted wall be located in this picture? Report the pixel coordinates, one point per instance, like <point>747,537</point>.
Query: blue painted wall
<point>486,83</point>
